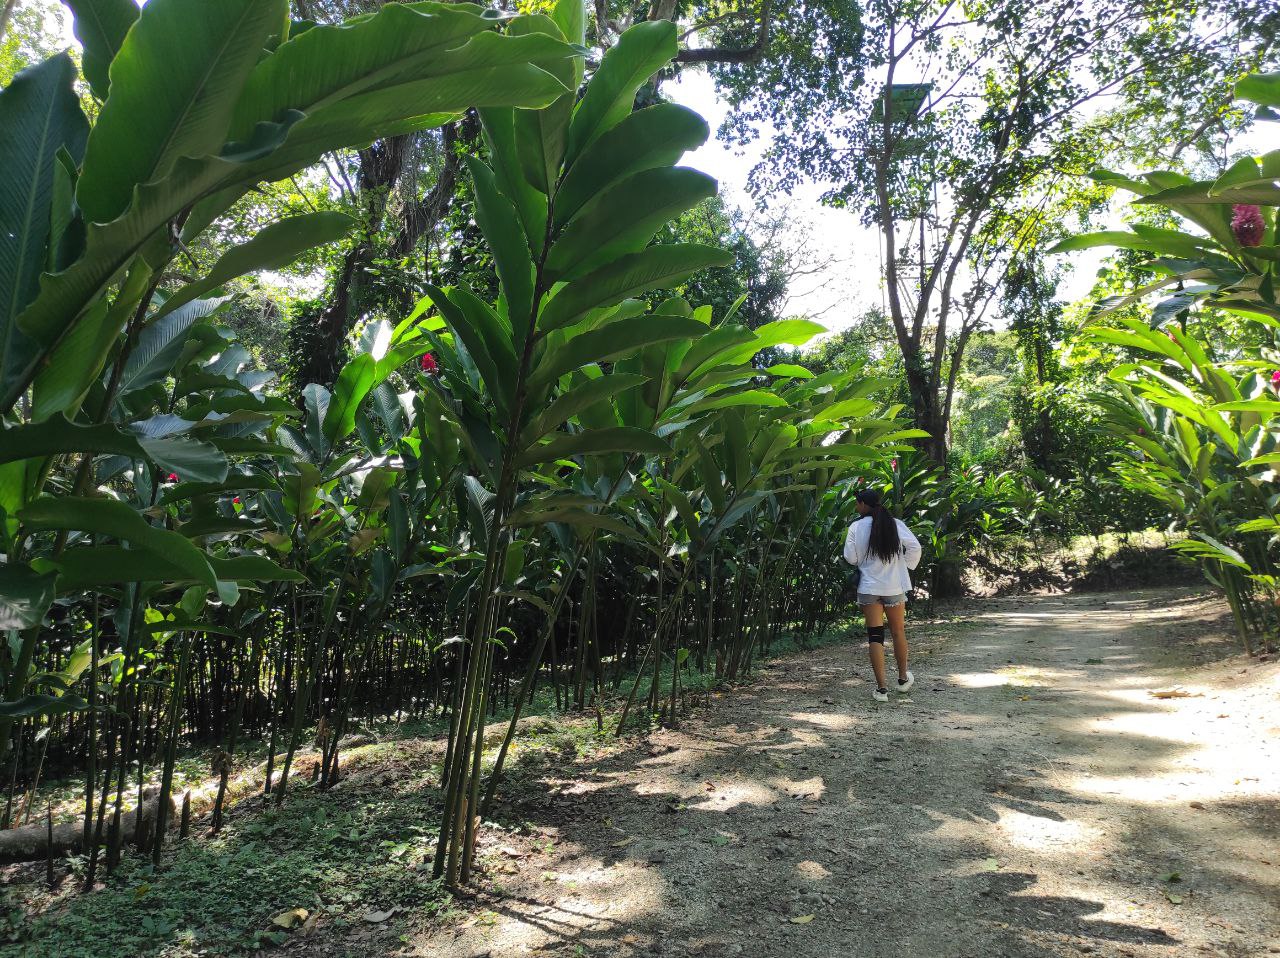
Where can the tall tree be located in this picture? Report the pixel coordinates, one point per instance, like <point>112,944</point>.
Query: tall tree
<point>954,136</point>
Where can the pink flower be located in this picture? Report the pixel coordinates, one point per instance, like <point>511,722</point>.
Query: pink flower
<point>429,364</point>
<point>1247,224</point>
<point>894,465</point>
<point>173,477</point>
<point>1275,380</point>
<point>1141,431</point>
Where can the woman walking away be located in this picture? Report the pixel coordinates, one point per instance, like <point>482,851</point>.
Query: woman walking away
<point>884,550</point>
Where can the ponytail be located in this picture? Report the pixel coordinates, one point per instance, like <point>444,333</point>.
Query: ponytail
<point>883,543</point>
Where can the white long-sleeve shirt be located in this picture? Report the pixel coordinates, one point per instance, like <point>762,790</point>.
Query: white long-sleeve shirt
<point>878,576</point>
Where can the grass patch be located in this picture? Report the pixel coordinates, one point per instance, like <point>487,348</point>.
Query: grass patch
<point>340,855</point>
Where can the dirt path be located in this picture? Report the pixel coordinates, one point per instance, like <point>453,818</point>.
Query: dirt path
<point>1030,798</point>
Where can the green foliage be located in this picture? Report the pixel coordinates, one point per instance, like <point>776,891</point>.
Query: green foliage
<point>1198,420</point>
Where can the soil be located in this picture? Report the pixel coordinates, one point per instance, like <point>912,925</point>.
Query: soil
<point>1031,797</point>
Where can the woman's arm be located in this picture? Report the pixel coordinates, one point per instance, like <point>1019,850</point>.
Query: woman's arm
<point>910,545</point>
<point>850,549</point>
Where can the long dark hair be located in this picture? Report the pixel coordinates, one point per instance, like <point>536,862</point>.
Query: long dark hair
<point>883,543</point>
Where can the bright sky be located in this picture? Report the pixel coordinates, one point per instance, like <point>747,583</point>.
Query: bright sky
<point>846,254</point>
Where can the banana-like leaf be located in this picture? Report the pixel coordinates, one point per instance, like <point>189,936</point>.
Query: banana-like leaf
<point>575,401</point>
<point>482,332</point>
<point>189,459</point>
<point>275,247</point>
<point>594,442</point>
<point>658,267</point>
<point>25,596</point>
<point>355,381</point>
<point>611,342</point>
<point>541,134</point>
<point>174,85</point>
<point>499,222</point>
<point>1261,88</point>
<point>100,26</point>
<point>1174,244</point>
<point>30,706</point>
<point>639,53</point>
<point>107,517</point>
<point>624,217</point>
<point>531,205</point>
<point>253,568</point>
<point>162,342</point>
<point>723,400</point>
<point>651,138</point>
<point>324,102</point>
<point>58,436</point>
<point>39,115</point>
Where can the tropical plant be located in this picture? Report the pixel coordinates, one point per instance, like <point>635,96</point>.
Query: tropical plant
<point>1198,421</point>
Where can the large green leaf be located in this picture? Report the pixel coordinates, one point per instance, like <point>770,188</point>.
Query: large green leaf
<point>100,27</point>
<point>610,343</point>
<point>253,568</point>
<point>91,567</point>
<point>581,397</point>
<point>329,63</point>
<point>24,596</point>
<point>658,267</point>
<point>1172,244</point>
<point>624,218</point>
<point>595,441</point>
<point>353,385</point>
<point>189,459</point>
<point>275,247</point>
<point>541,134</point>
<point>75,364</point>
<point>788,332</point>
<point>30,706</point>
<point>107,517</point>
<point>639,53</point>
<point>656,136</point>
<point>1261,88</point>
<point>314,117</point>
<point>161,344</point>
<point>57,436</point>
<point>531,206</point>
<point>174,85</point>
<point>499,222</point>
<point>39,114</point>
<point>708,351</point>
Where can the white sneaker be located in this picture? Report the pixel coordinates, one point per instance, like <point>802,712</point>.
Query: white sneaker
<point>880,695</point>
<point>907,684</point>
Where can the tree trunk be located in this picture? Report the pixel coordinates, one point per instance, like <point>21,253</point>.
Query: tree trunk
<point>5,12</point>
<point>927,408</point>
<point>325,349</point>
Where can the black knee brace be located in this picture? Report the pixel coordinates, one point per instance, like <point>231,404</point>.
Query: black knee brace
<point>875,633</point>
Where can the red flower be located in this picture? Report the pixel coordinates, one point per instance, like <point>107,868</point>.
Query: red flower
<point>1247,224</point>
<point>1141,431</point>
<point>236,500</point>
<point>429,364</point>
<point>173,477</point>
<point>894,464</point>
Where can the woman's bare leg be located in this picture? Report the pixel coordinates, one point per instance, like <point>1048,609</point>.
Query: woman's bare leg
<point>897,616</point>
<point>874,616</point>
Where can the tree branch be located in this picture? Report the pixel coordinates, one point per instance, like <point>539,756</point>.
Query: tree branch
<point>751,54</point>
